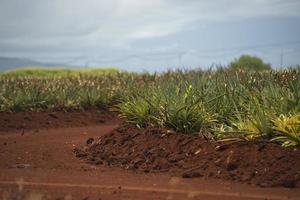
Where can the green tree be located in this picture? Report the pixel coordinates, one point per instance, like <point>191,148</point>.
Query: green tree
<point>249,63</point>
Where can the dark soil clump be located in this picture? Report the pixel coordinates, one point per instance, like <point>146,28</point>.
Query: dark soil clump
<point>156,150</point>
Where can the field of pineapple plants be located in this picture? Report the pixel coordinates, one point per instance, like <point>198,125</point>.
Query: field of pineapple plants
<point>225,124</point>
<point>220,104</point>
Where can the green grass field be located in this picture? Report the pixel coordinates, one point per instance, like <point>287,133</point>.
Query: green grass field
<point>56,71</point>
<point>220,104</point>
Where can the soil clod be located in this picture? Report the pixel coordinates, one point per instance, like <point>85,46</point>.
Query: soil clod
<point>155,150</point>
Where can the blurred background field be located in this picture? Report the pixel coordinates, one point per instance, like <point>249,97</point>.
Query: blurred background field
<point>222,103</point>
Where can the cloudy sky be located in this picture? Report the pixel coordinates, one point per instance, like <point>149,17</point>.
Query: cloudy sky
<point>150,35</point>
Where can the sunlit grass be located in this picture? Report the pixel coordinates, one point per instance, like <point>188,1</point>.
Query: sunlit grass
<point>55,71</point>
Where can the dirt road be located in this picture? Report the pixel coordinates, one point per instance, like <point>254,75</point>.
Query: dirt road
<point>39,163</point>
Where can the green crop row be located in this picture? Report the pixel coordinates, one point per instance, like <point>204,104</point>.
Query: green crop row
<point>219,104</point>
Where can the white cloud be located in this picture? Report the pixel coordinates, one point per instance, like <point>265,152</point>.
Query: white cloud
<point>77,25</point>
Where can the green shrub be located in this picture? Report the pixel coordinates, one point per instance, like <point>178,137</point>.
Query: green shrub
<point>247,62</point>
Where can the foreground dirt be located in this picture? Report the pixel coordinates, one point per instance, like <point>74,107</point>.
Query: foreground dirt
<point>156,150</point>
<point>39,163</point>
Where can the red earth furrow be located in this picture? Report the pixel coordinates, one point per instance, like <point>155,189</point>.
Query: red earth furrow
<point>38,162</point>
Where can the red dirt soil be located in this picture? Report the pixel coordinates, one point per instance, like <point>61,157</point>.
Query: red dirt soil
<point>156,150</point>
<point>38,162</point>
<point>53,119</point>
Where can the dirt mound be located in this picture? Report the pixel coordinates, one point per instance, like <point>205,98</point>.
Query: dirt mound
<point>53,119</point>
<point>156,150</point>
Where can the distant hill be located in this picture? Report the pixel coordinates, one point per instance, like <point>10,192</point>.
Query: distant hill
<point>12,63</point>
